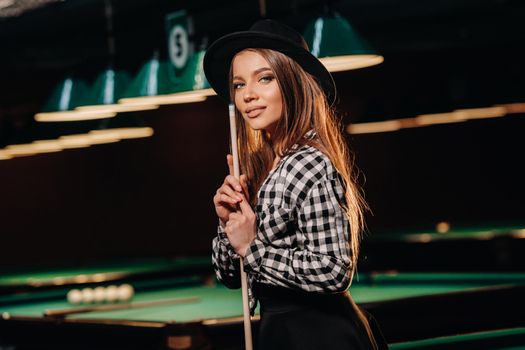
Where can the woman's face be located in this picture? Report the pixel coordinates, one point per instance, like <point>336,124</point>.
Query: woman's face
<point>257,94</point>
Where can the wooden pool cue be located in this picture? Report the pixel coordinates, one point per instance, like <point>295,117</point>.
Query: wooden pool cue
<point>244,279</point>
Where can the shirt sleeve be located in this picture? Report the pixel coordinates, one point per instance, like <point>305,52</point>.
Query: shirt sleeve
<point>225,260</point>
<point>303,241</point>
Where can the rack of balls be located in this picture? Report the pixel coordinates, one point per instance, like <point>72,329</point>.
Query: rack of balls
<point>101,294</point>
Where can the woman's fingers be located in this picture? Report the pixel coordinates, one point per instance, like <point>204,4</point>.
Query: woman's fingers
<point>234,216</point>
<point>228,199</point>
<point>227,190</point>
<point>233,182</point>
<point>246,209</point>
<point>241,228</point>
<point>228,195</point>
<point>223,206</point>
<point>243,181</point>
<point>222,197</point>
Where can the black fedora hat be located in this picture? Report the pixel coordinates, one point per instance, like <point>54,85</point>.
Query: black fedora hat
<point>266,34</point>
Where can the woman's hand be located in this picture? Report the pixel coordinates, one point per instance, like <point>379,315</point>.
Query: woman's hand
<point>229,194</point>
<point>241,227</point>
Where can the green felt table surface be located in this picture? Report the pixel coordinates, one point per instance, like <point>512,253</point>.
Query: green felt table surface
<point>470,232</point>
<point>45,275</point>
<point>505,339</point>
<point>216,301</point>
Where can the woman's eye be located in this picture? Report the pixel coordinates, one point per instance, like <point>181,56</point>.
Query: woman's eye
<point>237,86</point>
<point>266,78</point>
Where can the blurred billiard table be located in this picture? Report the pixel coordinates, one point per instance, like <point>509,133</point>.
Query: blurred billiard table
<point>408,306</point>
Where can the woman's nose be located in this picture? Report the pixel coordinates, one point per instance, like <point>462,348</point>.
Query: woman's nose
<point>249,94</point>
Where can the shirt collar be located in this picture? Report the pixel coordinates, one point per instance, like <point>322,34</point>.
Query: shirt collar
<point>309,135</point>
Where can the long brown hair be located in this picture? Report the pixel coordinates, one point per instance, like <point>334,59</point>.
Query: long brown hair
<point>305,107</point>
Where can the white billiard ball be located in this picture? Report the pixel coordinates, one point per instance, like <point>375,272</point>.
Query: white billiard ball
<point>87,295</point>
<point>74,296</point>
<point>99,294</point>
<point>125,292</point>
<point>111,294</point>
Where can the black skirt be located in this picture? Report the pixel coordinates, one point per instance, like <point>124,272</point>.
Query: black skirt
<point>298,320</point>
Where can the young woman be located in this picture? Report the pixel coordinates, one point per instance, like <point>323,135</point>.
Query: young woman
<point>296,215</point>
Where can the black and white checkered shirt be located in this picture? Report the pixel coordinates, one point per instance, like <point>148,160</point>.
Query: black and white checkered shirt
<point>302,236</point>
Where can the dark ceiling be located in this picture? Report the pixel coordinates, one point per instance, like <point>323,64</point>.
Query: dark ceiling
<point>439,55</point>
<point>69,34</point>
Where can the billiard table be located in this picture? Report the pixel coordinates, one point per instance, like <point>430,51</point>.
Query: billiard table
<point>459,248</point>
<point>501,339</point>
<point>178,304</point>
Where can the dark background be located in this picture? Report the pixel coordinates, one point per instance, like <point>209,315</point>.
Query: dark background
<point>152,197</point>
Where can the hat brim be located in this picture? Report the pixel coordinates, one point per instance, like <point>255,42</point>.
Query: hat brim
<point>219,56</point>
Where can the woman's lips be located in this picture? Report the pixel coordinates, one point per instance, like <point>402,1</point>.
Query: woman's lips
<point>254,112</point>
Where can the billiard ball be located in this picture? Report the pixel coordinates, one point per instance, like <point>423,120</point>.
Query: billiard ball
<point>87,295</point>
<point>111,294</point>
<point>74,296</point>
<point>99,294</point>
<point>125,292</point>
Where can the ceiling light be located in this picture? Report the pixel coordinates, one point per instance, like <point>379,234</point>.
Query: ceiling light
<point>338,46</point>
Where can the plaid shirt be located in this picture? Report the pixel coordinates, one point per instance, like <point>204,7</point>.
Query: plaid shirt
<point>302,231</point>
